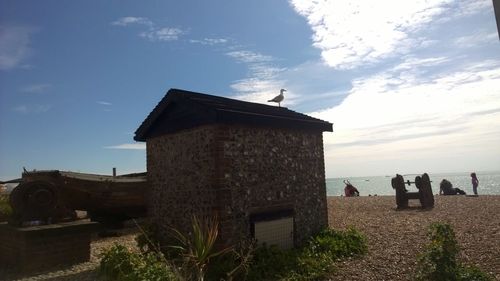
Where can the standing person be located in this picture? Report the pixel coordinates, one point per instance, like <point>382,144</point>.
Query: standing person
<point>475,182</point>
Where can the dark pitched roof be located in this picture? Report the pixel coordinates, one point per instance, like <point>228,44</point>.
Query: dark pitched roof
<point>180,109</point>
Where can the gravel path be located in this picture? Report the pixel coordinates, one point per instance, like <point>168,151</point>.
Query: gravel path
<point>394,237</point>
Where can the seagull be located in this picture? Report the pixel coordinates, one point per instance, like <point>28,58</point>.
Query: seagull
<point>279,98</point>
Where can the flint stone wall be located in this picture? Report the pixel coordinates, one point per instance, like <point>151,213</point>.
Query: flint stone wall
<point>237,171</point>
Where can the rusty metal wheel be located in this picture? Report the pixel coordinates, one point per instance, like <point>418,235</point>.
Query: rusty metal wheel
<point>36,200</point>
<point>418,182</point>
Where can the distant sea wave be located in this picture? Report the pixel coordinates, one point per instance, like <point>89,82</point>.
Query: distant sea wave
<point>489,183</point>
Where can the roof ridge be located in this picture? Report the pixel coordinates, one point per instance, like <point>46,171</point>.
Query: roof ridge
<point>296,112</point>
<point>227,98</point>
<point>236,111</point>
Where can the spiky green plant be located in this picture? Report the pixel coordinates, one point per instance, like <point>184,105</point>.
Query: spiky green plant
<point>198,248</point>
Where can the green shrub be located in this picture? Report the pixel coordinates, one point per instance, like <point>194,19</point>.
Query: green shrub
<point>234,264</point>
<point>339,244</point>
<point>272,263</point>
<point>196,258</point>
<point>472,273</point>
<point>5,208</point>
<point>220,266</point>
<point>439,259</point>
<point>312,266</point>
<point>152,267</point>
<point>439,262</point>
<point>118,263</point>
<point>314,261</point>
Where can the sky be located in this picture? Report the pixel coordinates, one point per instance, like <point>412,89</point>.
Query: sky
<point>410,86</point>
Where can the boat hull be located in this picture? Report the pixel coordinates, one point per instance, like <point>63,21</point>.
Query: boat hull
<point>56,195</point>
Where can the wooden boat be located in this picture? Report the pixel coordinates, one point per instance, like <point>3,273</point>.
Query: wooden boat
<point>53,196</point>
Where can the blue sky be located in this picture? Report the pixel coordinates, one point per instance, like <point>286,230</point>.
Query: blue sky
<point>411,87</point>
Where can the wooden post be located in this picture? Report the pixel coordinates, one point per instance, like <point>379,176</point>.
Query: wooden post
<point>398,183</point>
<point>114,172</point>
<point>426,192</point>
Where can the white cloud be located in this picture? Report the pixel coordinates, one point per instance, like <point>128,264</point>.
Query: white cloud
<point>476,39</point>
<point>36,89</point>
<point>249,57</point>
<point>132,20</point>
<point>105,103</point>
<point>470,7</point>
<point>21,109</point>
<point>36,109</point>
<point>354,33</point>
<point>453,112</point>
<point>262,82</point>
<point>412,62</point>
<point>162,34</point>
<point>424,103</point>
<point>133,146</point>
<point>14,46</point>
<point>209,41</point>
<point>154,32</point>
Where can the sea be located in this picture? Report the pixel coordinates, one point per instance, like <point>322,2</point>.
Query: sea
<point>489,183</point>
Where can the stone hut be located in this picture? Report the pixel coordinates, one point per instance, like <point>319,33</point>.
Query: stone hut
<point>259,168</point>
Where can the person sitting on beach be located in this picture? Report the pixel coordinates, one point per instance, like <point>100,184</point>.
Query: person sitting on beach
<point>475,183</point>
<point>446,188</point>
<point>350,190</point>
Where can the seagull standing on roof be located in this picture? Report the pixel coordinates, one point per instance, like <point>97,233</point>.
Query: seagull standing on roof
<point>279,98</point>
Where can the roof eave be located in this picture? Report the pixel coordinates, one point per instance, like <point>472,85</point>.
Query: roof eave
<point>141,132</point>
<point>238,117</point>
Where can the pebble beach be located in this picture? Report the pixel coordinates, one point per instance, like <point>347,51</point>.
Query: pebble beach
<point>395,237</point>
